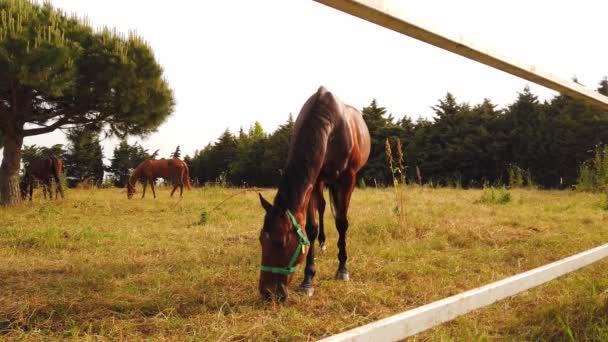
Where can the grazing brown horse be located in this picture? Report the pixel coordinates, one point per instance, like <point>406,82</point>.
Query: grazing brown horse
<point>329,146</point>
<point>44,170</point>
<point>150,169</point>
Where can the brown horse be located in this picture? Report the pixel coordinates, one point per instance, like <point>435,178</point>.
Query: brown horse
<point>329,146</point>
<point>44,170</point>
<point>150,169</point>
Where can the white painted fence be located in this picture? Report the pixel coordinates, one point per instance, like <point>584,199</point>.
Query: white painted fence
<point>389,15</point>
<point>425,317</point>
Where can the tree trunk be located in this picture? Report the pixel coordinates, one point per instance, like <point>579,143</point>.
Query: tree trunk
<point>9,171</point>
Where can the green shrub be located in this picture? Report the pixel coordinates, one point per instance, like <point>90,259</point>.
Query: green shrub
<point>519,177</point>
<point>491,195</point>
<point>204,218</point>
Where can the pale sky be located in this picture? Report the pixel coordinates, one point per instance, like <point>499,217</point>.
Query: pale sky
<point>231,63</point>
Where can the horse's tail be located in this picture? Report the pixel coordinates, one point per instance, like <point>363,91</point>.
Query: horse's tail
<point>57,169</point>
<point>187,176</point>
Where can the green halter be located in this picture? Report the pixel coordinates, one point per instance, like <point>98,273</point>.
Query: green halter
<point>290,268</point>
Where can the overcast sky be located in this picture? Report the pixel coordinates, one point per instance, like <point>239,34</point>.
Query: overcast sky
<point>231,63</point>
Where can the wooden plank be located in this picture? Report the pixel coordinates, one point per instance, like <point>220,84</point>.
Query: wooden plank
<point>425,317</point>
<point>387,14</point>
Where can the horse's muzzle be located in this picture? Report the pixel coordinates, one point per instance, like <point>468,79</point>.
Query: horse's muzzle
<point>272,287</point>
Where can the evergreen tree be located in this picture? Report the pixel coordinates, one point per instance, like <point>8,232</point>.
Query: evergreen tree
<point>603,88</point>
<point>380,128</point>
<point>245,168</point>
<point>177,153</point>
<point>124,160</point>
<point>212,164</point>
<point>155,154</point>
<point>275,154</point>
<point>38,152</point>
<point>84,157</point>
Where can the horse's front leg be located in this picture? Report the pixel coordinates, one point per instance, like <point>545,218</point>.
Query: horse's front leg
<point>341,193</point>
<point>143,192</point>
<point>47,188</point>
<point>321,209</point>
<point>309,271</point>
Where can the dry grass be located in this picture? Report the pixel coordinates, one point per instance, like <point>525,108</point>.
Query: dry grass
<point>96,266</point>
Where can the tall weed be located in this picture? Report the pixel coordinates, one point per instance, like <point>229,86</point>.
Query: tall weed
<point>593,174</point>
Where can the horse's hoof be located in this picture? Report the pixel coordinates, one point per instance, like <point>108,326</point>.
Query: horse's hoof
<point>343,275</point>
<point>308,291</point>
<point>322,247</point>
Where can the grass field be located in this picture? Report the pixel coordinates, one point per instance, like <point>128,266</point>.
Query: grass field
<point>97,266</point>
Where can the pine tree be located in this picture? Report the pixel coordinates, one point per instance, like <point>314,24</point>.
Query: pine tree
<point>155,154</point>
<point>84,156</point>
<point>603,88</point>
<point>177,153</point>
<point>125,159</point>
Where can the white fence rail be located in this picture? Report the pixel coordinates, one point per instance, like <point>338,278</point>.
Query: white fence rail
<point>425,317</point>
<point>389,15</point>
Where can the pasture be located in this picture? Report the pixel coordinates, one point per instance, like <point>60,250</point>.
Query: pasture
<point>97,266</point>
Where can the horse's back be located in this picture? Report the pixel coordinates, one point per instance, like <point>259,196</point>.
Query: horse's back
<point>164,167</point>
<point>346,137</point>
<point>40,168</point>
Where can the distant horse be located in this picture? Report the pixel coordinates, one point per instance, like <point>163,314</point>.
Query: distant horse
<point>44,170</point>
<point>150,169</point>
<point>330,144</point>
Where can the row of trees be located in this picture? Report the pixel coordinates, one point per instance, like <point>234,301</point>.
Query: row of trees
<point>251,158</point>
<point>462,143</point>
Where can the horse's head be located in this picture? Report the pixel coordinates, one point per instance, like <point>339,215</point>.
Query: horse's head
<point>130,190</point>
<point>284,246</point>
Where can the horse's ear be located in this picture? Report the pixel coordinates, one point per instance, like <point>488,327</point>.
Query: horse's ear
<point>265,204</point>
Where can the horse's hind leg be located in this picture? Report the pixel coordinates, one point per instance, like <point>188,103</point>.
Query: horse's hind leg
<point>58,188</point>
<point>46,187</point>
<point>341,193</point>
<point>152,186</point>
<point>311,231</point>
<point>321,208</point>
<point>181,184</point>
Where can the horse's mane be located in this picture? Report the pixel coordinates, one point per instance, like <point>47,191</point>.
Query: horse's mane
<point>306,149</point>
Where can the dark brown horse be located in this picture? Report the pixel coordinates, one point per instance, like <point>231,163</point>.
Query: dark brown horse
<point>45,170</point>
<point>150,169</point>
<point>329,146</point>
